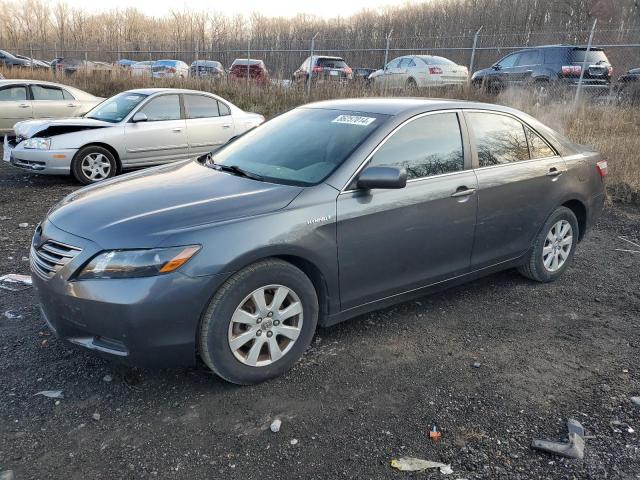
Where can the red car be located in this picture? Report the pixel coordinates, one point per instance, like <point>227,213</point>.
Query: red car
<point>241,67</point>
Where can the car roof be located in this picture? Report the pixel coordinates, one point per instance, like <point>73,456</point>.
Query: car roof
<point>153,91</point>
<point>402,106</point>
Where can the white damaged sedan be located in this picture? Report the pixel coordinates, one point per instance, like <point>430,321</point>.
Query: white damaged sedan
<point>136,128</point>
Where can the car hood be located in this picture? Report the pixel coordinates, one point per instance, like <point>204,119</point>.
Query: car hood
<point>44,128</point>
<point>139,210</point>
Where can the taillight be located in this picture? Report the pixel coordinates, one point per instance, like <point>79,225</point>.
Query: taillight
<point>317,69</point>
<point>435,70</point>
<point>602,168</point>
<point>172,70</point>
<point>610,69</point>
<point>348,70</point>
<point>571,70</point>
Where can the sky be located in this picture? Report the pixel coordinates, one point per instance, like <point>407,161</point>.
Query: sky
<point>275,8</point>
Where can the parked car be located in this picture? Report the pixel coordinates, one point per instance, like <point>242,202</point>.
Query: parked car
<point>125,63</point>
<point>169,69</point>
<point>10,60</point>
<point>207,68</point>
<point>322,68</point>
<point>361,75</point>
<point>549,70</point>
<point>137,128</point>
<point>628,87</point>
<point>142,69</point>
<point>25,99</point>
<point>70,66</point>
<point>420,71</point>
<point>256,70</point>
<point>326,212</point>
<point>32,62</point>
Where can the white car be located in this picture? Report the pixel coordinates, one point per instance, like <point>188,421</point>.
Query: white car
<point>141,69</point>
<point>420,71</point>
<point>137,128</point>
<point>169,69</point>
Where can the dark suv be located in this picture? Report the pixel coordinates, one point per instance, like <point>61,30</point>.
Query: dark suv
<point>550,69</point>
<point>323,68</point>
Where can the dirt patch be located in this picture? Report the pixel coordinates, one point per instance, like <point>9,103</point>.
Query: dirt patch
<point>366,391</point>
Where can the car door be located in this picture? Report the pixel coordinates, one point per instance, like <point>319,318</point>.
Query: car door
<point>392,241</point>
<point>162,137</point>
<point>401,74</point>
<point>209,126</point>
<point>504,69</point>
<point>53,102</point>
<point>525,64</point>
<point>15,106</point>
<point>520,181</point>
<point>390,71</point>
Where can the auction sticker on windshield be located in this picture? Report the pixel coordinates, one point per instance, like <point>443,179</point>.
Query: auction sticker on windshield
<point>354,120</point>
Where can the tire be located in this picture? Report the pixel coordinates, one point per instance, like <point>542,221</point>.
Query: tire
<point>93,164</point>
<point>411,85</point>
<point>252,360</point>
<point>540,262</point>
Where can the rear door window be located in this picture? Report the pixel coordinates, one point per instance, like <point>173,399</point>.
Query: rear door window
<point>46,92</point>
<point>499,139</point>
<point>224,109</point>
<point>13,94</point>
<point>162,108</point>
<point>427,146</point>
<point>200,106</point>
<point>530,57</point>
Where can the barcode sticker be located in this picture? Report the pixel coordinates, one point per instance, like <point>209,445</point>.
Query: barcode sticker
<point>354,120</point>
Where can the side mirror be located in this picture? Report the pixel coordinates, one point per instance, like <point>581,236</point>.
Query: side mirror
<point>140,117</point>
<point>496,67</point>
<point>382,177</point>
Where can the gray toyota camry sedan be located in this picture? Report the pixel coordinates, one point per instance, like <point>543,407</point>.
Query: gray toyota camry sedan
<point>328,211</point>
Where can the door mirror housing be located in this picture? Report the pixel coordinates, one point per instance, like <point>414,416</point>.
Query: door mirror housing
<point>382,177</point>
<point>140,117</point>
<point>496,67</point>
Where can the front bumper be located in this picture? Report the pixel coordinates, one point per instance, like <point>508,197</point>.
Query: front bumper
<point>49,162</point>
<point>148,322</point>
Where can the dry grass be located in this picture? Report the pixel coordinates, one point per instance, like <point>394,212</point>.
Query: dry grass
<point>611,130</point>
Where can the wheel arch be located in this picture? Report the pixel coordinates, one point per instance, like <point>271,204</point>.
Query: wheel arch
<point>580,211</point>
<point>108,147</point>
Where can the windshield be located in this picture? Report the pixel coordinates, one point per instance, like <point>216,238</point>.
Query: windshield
<point>301,147</point>
<point>116,108</point>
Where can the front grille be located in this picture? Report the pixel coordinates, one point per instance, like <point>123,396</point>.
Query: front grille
<point>50,257</point>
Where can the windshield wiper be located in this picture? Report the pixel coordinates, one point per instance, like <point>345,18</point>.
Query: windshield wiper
<point>234,169</point>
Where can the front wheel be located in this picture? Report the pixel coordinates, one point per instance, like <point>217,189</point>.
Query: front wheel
<point>92,164</point>
<point>259,322</point>
<point>553,248</point>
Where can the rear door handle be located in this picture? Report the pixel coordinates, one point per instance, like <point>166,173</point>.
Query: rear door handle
<point>71,105</point>
<point>226,125</point>
<point>463,192</point>
<point>24,105</point>
<point>554,172</point>
<point>177,130</point>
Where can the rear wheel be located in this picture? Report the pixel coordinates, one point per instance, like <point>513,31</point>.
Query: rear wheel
<point>92,164</point>
<point>259,322</point>
<point>553,248</point>
<point>541,92</point>
<point>411,85</point>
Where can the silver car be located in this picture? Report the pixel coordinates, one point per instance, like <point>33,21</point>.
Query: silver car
<point>26,99</point>
<point>420,71</point>
<point>136,128</point>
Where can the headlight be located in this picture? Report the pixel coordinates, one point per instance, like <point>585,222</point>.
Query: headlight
<point>37,143</point>
<point>137,263</point>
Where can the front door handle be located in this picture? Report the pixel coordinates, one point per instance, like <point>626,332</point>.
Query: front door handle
<point>71,105</point>
<point>177,130</point>
<point>226,125</point>
<point>554,172</point>
<point>24,105</point>
<point>463,192</point>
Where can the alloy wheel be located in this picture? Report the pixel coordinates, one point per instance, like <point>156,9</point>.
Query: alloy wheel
<point>96,166</point>
<point>557,246</point>
<point>265,325</point>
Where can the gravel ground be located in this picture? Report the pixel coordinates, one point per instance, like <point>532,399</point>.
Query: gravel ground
<point>367,391</point>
